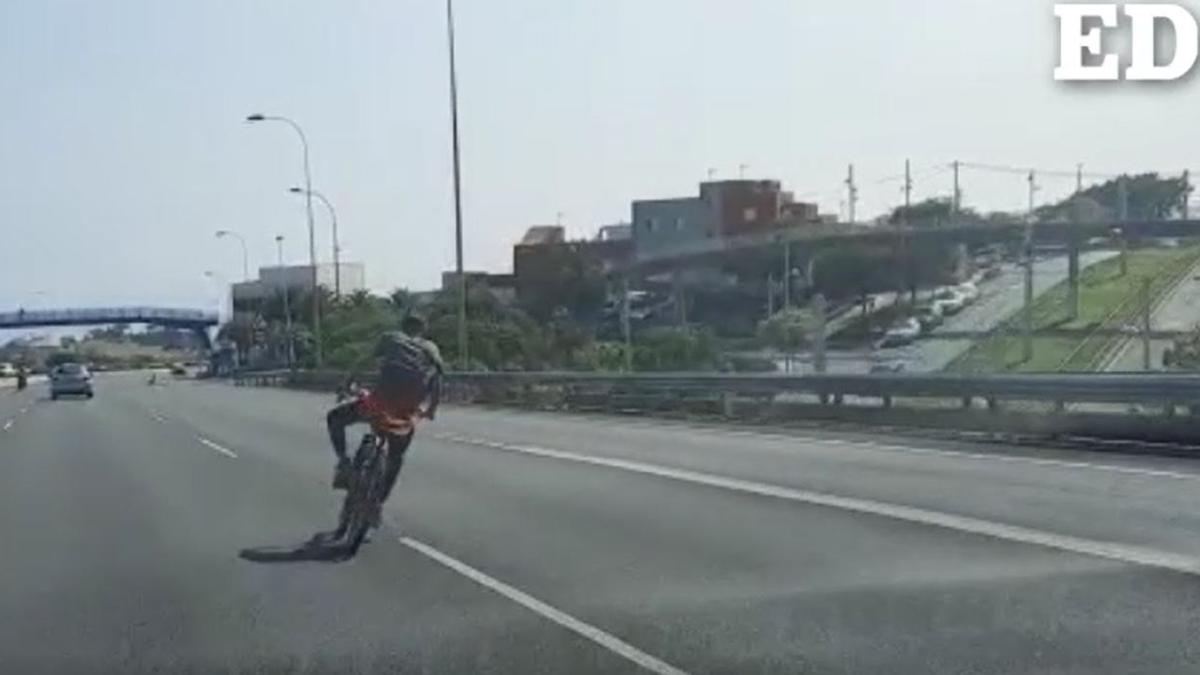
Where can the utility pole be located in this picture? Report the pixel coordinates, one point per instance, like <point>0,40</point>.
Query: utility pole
<point>819,309</point>
<point>1123,198</point>
<point>908,258</point>
<point>1145,299</point>
<point>742,170</point>
<point>956,202</point>
<point>626,328</point>
<point>908,185</point>
<point>463,347</point>
<point>1027,313</point>
<point>1078,179</point>
<point>770,294</point>
<point>852,195</point>
<point>1187,193</point>
<point>787,275</point>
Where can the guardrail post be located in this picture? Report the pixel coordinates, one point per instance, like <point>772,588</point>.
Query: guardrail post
<point>992,404</point>
<point>887,401</point>
<point>1060,407</point>
<point>727,404</point>
<point>967,402</point>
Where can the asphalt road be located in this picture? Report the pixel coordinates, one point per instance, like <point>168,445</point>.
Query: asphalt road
<point>539,543</point>
<point>1000,298</point>
<point>1179,311</point>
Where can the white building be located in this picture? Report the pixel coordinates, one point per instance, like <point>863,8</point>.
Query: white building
<point>297,279</point>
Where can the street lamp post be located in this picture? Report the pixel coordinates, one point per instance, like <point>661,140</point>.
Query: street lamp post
<point>312,237</point>
<point>337,248</point>
<point>287,309</point>
<point>245,253</point>
<point>458,233</point>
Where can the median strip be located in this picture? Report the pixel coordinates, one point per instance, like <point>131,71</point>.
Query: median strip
<point>1099,549</point>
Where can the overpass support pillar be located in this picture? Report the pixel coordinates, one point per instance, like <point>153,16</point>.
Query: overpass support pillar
<point>1073,279</point>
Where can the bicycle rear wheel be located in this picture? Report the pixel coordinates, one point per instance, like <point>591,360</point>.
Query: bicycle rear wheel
<point>363,499</point>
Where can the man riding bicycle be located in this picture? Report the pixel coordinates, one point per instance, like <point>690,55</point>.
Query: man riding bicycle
<point>410,369</point>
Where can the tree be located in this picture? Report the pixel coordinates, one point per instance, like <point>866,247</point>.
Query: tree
<point>788,331</point>
<point>674,350</point>
<point>1147,197</point>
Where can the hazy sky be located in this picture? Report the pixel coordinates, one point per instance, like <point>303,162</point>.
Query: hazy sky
<point>122,146</point>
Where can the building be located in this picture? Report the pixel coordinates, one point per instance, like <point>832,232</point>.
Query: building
<point>501,286</point>
<point>544,257</point>
<point>723,209</point>
<point>297,279</point>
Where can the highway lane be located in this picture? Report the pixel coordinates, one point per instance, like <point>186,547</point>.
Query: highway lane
<point>134,563</point>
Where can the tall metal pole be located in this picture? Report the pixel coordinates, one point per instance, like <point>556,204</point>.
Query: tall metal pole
<point>312,236</point>
<point>787,274</point>
<point>1027,312</point>
<point>626,328</point>
<point>458,232</point>
<point>1187,193</point>
<point>956,202</point>
<point>1078,178</point>
<point>1144,293</point>
<point>852,196</point>
<point>337,248</point>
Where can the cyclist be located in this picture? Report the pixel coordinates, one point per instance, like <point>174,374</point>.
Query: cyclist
<point>409,375</point>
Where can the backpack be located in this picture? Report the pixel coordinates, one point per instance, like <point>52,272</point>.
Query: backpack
<point>406,364</point>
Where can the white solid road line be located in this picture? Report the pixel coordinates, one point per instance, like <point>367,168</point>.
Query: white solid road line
<point>981,456</point>
<point>159,418</point>
<point>1101,549</point>
<point>221,449</point>
<point>606,640</point>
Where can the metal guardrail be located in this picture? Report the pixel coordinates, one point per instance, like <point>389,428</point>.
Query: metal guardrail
<point>1116,388</point>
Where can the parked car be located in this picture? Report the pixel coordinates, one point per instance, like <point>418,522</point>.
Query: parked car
<point>70,379</point>
<point>7,370</point>
<point>930,316</point>
<point>950,301</point>
<point>902,333</point>
<point>969,291</point>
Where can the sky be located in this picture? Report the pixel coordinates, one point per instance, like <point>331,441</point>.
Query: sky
<point>123,146</point>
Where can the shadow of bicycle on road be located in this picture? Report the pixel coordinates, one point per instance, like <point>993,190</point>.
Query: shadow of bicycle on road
<point>319,548</point>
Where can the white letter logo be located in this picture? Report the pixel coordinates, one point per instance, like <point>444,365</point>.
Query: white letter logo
<point>1073,41</point>
<point>1144,18</point>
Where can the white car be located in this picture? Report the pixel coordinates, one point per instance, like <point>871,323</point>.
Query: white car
<point>950,301</point>
<point>7,370</point>
<point>903,333</point>
<point>969,291</point>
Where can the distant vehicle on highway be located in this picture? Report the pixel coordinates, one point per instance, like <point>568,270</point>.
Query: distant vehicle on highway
<point>949,301</point>
<point>902,333</point>
<point>887,367</point>
<point>178,370</point>
<point>7,370</point>
<point>70,379</point>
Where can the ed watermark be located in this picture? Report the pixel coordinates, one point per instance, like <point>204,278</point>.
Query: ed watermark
<point>1083,52</point>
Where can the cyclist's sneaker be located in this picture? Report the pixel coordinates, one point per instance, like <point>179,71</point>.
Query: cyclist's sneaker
<point>341,475</point>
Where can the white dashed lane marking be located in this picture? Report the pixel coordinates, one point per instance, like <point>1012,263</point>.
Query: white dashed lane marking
<point>219,448</point>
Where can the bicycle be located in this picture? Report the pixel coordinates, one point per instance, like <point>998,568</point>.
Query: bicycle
<point>363,504</point>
